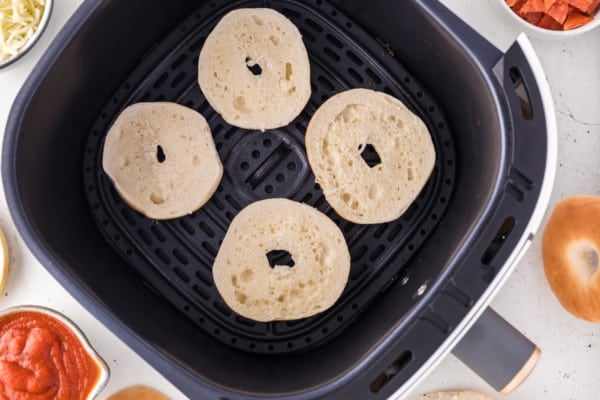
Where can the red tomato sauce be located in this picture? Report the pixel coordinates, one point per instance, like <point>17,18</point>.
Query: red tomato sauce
<point>42,359</point>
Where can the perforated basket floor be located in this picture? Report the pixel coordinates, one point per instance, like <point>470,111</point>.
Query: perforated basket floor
<point>175,257</point>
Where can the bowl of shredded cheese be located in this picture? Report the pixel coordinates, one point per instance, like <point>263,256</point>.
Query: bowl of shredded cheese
<point>22,22</point>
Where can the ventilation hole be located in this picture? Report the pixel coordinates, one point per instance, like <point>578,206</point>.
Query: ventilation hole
<point>160,154</point>
<point>203,293</point>
<point>256,154</point>
<point>290,345</point>
<point>182,275</point>
<point>333,40</point>
<point>207,229</point>
<point>369,155</point>
<point>442,200</point>
<point>313,25</point>
<point>340,318</point>
<point>325,330</point>
<point>354,306</point>
<point>291,166</point>
<point>359,252</point>
<point>441,125</point>
<point>145,237</point>
<point>373,76</point>
<point>326,83</point>
<point>308,339</point>
<point>434,217</point>
<point>180,257</point>
<point>348,25</point>
<point>158,233</point>
<point>267,143</point>
<point>447,143</point>
<point>209,248</point>
<point>233,340</point>
<point>222,308</point>
<point>356,272</point>
<point>411,247</point>
<point>499,239</point>
<point>204,279</point>
<point>160,253</point>
<point>280,258</point>
<point>187,227</point>
<point>280,178</point>
<point>245,166</point>
<point>178,79</point>
<point>448,181</point>
<point>357,77</point>
<point>160,81</point>
<point>233,202</point>
<point>522,93</point>
<point>179,61</point>
<point>355,59</point>
<point>419,94</point>
<point>331,54</point>
<point>391,371</point>
<point>270,347</point>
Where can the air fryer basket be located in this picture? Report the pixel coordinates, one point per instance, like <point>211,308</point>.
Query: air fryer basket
<point>414,282</point>
<point>176,256</point>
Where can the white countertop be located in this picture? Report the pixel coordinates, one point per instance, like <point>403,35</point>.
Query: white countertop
<point>571,348</point>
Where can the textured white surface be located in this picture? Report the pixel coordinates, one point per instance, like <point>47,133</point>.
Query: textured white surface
<point>571,348</point>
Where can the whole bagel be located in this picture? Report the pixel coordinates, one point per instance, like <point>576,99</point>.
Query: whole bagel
<point>308,284</point>
<point>570,249</point>
<point>254,69</point>
<point>345,127</point>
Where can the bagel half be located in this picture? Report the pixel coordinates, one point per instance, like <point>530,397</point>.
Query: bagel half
<point>570,251</point>
<point>340,132</point>
<point>308,284</point>
<point>254,69</point>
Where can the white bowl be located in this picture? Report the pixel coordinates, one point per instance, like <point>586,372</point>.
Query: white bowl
<point>103,367</point>
<point>36,36</point>
<point>542,33</point>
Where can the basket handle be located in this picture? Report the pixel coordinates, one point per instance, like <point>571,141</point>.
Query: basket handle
<point>497,352</point>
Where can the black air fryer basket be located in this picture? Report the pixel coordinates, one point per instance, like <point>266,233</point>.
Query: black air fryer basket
<point>416,284</point>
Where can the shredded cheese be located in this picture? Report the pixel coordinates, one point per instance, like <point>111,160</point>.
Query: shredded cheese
<point>19,20</point>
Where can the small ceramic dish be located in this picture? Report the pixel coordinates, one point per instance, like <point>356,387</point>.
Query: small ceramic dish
<point>542,33</point>
<point>34,335</point>
<point>34,39</point>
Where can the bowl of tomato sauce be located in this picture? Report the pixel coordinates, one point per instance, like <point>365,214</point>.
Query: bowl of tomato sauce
<point>44,356</point>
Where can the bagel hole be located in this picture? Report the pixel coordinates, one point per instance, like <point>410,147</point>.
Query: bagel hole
<point>369,155</point>
<point>281,258</point>
<point>253,66</point>
<point>583,257</point>
<point>160,154</point>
